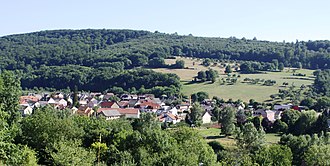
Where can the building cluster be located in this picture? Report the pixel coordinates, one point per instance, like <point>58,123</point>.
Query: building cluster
<point>102,105</point>
<point>131,106</point>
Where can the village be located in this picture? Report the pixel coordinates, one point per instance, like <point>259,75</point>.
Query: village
<point>131,106</point>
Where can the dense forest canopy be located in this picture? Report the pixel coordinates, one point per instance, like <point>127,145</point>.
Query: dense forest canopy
<point>102,55</point>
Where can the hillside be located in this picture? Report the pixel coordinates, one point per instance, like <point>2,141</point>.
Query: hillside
<point>93,56</point>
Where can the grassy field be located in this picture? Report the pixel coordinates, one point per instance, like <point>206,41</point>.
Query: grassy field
<point>193,67</point>
<point>243,91</point>
<point>212,134</point>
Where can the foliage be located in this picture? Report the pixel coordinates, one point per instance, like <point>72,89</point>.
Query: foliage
<point>69,153</point>
<point>317,155</point>
<point>227,119</point>
<point>90,79</point>
<point>274,155</point>
<point>41,131</point>
<point>13,154</point>
<point>199,96</point>
<point>65,58</point>
<point>179,64</point>
<point>300,144</point>
<point>10,91</point>
<point>249,138</point>
<point>304,124</point>
<point>280,126</point>
<point>228,69</point>
<point>290,117</point>
<point>322,83</point>
<point>196,113</point>
<point>232,157</point>
<point>216,146</point>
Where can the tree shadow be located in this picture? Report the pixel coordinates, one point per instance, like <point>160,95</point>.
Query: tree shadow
<point>214,137</point>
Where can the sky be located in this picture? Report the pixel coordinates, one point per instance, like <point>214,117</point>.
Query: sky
<point>273,20</point>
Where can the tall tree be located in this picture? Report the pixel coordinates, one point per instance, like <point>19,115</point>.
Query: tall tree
<point>227,120</point>
<point>274,155</point>
<point>249,138</point>
<point>196,113</point>
<point>9,95</point>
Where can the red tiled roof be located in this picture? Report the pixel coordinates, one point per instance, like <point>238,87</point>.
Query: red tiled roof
<point>107,104</point>
<point>149,103</point>
<point>171,116</point>
<point>28,98</point>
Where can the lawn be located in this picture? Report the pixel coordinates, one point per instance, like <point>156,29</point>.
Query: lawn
<point>243,91</point>
<point>212,134</point>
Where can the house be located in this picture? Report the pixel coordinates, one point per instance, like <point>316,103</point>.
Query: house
<point>26,110</point>
<point>84,110</point>
<point>110,114</point>
<point>282,107</point>
<point>125,112</point>
<point>271,115</point>
<point>108,96</point>
<point>128,97</point>
<point>147,106</point>
<point>28,99</point>
<point>92,103</point>
<point>208,102</point>
<point>127,103</point>
<point>63,102</point>
<point>206,118</point>
<point>123,104</point>
<point>130,112</point>
<point>168,117</point>
<point>184,106</point>
<point>173,110</point>
<point>82,102</point>
<point>109,104</point>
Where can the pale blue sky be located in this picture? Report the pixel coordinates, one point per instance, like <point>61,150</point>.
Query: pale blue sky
<point>274,20</point>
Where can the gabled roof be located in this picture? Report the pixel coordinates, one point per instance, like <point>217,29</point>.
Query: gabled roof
<point>107,104</point>
<point>128,110</point>
<point>207,112</point>
<point>123,103</point>
<point>172,116</point>
<point>51,101</point>
<point>110,113</point>
<point>29,98</point>
<point>120,110</point>
<point>146,103</point>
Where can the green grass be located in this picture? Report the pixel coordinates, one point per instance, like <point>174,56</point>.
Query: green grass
<point>246,91</point>
<point>213,134</point>
<point>239,90</point>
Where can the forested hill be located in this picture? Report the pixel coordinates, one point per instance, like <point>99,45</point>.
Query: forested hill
<point>90,55</point>
<point>97,48</point>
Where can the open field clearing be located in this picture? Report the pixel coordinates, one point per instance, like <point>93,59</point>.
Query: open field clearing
<point>212,134</point>
<point>193,65</point>
<point>239,90</point>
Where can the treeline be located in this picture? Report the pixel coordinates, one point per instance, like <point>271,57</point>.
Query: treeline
<point>255,67</point>
<point>90,79</point>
